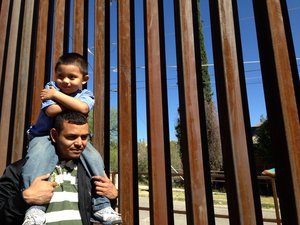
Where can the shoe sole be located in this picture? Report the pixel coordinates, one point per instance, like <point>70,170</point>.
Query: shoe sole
<point>112,223</point>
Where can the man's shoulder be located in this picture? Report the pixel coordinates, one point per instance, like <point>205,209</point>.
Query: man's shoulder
<point>15,167</point>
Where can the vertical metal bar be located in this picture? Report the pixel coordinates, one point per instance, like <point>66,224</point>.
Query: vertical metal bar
<point>8,84</point>
<point>59,31</point>
<point>40,59</point>
<point>281,104</point>
<point>195,188</point>
<point>127,118</point>
<point>234,142</point>
<point>276,205</point>
<point>67,36</point>
<point>161,209</point>
<point>3,30</point>
<point>78,26</point>
<point>127,113</point>
<point>102,80</point>
<point>23,76</point>
<point>290,44</point>
<point>256,194</point>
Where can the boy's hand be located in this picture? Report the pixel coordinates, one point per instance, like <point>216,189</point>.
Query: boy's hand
<point>47,94</point>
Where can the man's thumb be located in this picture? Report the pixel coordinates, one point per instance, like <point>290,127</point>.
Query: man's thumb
<point>44,177</point>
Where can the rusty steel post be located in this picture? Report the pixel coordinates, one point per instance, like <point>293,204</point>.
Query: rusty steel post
<point>79,27</point>
<point>9,75</point>
<point>22,87</point>
<point>291,49</point>
<point>281,103</point>
<point>3,30</point>
<point>275,198</point>
<point>161,208</point>
<point>59,32</point>
<point>127,114</point>
<point>199,202</point>
<point>232,124</point>
<point>40,59</point>
<point>102,80</point>
<point>256,194</point>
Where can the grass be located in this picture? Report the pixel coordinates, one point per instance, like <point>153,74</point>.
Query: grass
<point>219,198</point>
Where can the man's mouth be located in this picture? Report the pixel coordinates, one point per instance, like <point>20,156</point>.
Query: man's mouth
<point>76,150</point>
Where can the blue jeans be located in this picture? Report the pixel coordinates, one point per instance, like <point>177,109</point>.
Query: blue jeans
<point>42,159</point>
<point>93,163</point>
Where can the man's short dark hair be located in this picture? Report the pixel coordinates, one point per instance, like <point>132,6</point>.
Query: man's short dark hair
<point>72,117</point>
<point>73,59</point>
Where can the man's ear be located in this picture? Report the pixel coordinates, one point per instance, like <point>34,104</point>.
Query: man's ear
<point>85,78</point>
<point>53,134</point>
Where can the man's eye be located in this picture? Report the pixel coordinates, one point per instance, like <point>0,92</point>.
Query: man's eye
<point>85,137</point>
<point>71,137</point>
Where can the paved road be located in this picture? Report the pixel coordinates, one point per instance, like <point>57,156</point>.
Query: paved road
<point>180,219</point>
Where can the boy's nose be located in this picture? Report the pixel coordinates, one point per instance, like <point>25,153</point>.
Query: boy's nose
<point>66,80</point>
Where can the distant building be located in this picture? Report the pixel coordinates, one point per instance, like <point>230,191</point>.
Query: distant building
<point>254,132</point>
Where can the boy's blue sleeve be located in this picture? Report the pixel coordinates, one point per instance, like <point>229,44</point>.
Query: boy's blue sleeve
<point>87,97</point>
<point>49,102</point>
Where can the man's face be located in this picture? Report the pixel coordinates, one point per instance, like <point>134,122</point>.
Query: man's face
<point>71,141</point>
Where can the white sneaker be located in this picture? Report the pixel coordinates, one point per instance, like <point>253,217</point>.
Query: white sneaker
<point>108,216</point>
<point>34,216</point>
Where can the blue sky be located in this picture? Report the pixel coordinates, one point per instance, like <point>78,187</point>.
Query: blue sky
<point>250,56</point>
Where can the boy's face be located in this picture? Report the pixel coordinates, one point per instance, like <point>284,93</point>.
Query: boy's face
<point>70,79</point>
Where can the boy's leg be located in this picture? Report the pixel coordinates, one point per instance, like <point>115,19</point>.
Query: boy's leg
<point>93,163</point>
<point>41,159</point>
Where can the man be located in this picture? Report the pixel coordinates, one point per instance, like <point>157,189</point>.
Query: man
<point>70,135</point>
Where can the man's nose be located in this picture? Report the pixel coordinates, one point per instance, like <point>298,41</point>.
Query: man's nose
<point>78,142</point>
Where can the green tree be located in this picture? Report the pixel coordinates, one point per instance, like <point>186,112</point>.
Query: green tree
<point>143,161</point>
<point>212,125</point>
<point>113,136</point>
<point>262,145</point>
<point>213,137</point>
<point>113,125</point>
<point>205,74</point>
<point>113,156</point>
<point>113,139</point>
<point>176,162</point>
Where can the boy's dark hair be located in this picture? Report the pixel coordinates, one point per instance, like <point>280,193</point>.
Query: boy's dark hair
<point>72,117</point>
<point>73,59</point>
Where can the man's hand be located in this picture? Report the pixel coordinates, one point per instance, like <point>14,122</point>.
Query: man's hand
<point>105,187</point>
<point>40,191</point>
<point>47,94</point>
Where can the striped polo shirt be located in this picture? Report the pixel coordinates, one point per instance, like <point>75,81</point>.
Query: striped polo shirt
<point>63,208</point>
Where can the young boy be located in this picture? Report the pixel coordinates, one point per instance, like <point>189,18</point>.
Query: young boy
<point>65,93</point>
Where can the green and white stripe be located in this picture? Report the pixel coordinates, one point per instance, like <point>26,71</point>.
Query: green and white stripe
<point>63,207</point>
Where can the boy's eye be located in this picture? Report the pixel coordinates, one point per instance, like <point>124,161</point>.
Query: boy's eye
<point>72,77</point>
